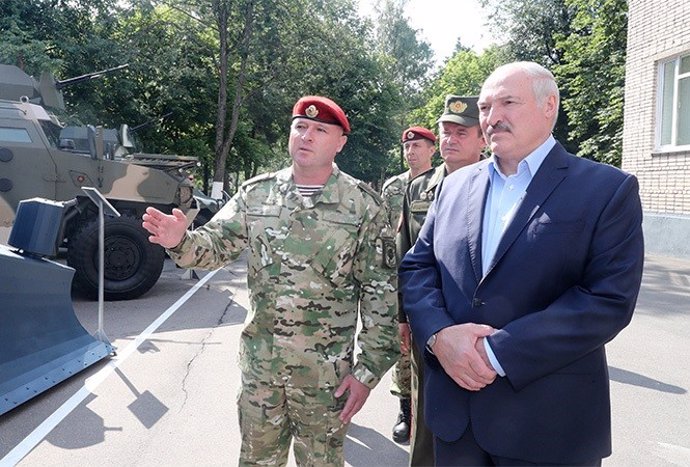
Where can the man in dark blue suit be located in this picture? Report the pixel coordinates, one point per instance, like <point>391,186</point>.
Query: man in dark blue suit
<point>528,263</point>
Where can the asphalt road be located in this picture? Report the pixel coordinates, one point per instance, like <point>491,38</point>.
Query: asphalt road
<point>168,396</point>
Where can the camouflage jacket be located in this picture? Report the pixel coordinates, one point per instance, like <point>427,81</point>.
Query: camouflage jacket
<point>393,192</point>
<point>418,197</point>
<point>314,262</point>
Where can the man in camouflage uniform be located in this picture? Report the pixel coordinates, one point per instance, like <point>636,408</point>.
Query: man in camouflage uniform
<point>418,149</point>
<point>321,250</point>
<point>461,143</point>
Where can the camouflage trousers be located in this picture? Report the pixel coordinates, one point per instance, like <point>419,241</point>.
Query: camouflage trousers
<point>402,376</point>
<point>272,416</point>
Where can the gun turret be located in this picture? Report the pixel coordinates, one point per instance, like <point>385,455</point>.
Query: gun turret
<point>16,85</point>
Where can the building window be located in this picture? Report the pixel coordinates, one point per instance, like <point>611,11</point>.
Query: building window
<point>674,99</point>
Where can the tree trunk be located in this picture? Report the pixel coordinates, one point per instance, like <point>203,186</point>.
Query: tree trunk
<point>222,16</point>
<point>225,138</point>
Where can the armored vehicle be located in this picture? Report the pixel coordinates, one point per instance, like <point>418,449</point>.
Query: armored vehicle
<point>39,157</point>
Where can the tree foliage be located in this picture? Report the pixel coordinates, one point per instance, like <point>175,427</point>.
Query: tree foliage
<point>592,74</point>
<point>407,59</point>
<point>583,42</point>
<point>462,75</point>
<point>530,28</point>
<point>406,62</point>
<point>217,78</point>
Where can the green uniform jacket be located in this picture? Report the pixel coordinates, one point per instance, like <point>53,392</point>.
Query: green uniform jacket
<point>314,262</point>
<point>418,197</point>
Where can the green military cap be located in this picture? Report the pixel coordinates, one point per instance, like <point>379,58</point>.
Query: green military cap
<point>462,110</point>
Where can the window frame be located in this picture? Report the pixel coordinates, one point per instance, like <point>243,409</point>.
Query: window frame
<point>674,61</point>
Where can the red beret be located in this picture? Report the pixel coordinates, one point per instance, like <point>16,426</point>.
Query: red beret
<point>321,109</point>
<point>417,132</point>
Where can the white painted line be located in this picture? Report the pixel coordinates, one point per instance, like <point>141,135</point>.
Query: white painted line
<point>41,431</point>
<point>674,453</point>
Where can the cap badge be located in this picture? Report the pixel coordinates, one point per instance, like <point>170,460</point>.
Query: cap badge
<point>457,107</point>
<point>311,111</point>
<point>410,134</point>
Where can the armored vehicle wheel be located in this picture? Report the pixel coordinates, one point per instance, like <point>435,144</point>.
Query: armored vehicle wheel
<point>132,263</point>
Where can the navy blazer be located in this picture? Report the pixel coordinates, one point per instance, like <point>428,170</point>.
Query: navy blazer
<point>563,282</point>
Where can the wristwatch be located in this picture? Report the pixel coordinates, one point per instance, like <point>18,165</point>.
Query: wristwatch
<point>430,343</point>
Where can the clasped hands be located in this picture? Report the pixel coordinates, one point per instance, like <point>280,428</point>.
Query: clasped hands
<point>460,351</point>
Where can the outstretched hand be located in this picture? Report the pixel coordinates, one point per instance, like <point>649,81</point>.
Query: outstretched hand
<point>167,230</point>
<point>359,393</point>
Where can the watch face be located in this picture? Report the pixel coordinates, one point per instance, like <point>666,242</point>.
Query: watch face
<point>432,340</point>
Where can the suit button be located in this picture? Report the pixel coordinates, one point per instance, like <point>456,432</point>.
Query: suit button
<point>477,302</point>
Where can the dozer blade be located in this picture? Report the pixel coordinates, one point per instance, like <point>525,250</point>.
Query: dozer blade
<point>42,342</point>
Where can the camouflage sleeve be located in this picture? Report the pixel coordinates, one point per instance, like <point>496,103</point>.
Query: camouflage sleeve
<point>375,270</point>
<point>218,242</point>
<point>393,196</point>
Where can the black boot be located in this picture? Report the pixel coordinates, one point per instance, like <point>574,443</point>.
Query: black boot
<point>401,430</point>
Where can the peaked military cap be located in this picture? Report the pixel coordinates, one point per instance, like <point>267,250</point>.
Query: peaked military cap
<point>461,110</point>
<point>417,132</point>
<point>321,109</point>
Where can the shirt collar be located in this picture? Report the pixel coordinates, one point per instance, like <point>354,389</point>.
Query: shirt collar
<point>330,193</point>
<point>531,163</point>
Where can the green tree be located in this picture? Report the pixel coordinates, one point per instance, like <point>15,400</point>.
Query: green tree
<point>406,58</point>
<point>463,74</point>
<point>163,86</point>
<point>22,44</point>
<point>592,75</point>
<point>266,57</point>
<point>41,35</point>
<point>356,80</point>
<point>530,28</point>
<point>407,62</point>
<point>172,91</point>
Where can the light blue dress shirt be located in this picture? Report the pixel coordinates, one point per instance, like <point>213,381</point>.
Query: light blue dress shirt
<point>502,202</point>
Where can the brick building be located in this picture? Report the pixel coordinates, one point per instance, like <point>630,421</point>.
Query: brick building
<point>656,131</point>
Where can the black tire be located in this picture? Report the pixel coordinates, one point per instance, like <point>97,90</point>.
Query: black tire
<point>132,264</point>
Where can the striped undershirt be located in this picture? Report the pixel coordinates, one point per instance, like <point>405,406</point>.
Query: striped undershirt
<point>309,190</point>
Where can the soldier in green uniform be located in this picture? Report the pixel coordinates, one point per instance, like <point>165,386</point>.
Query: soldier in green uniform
<point>418,149</point>
<point>461,143</point>
<point>321,254</point>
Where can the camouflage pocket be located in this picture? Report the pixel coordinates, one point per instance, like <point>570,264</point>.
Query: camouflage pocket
<point>336,248</point>
<point>420,207</point>
<point>253,358</point>
<point>263,225</point>
<point>318,372</point>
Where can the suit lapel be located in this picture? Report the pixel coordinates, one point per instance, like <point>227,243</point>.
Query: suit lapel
<point>548,177</point>
<point>476,198</point>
